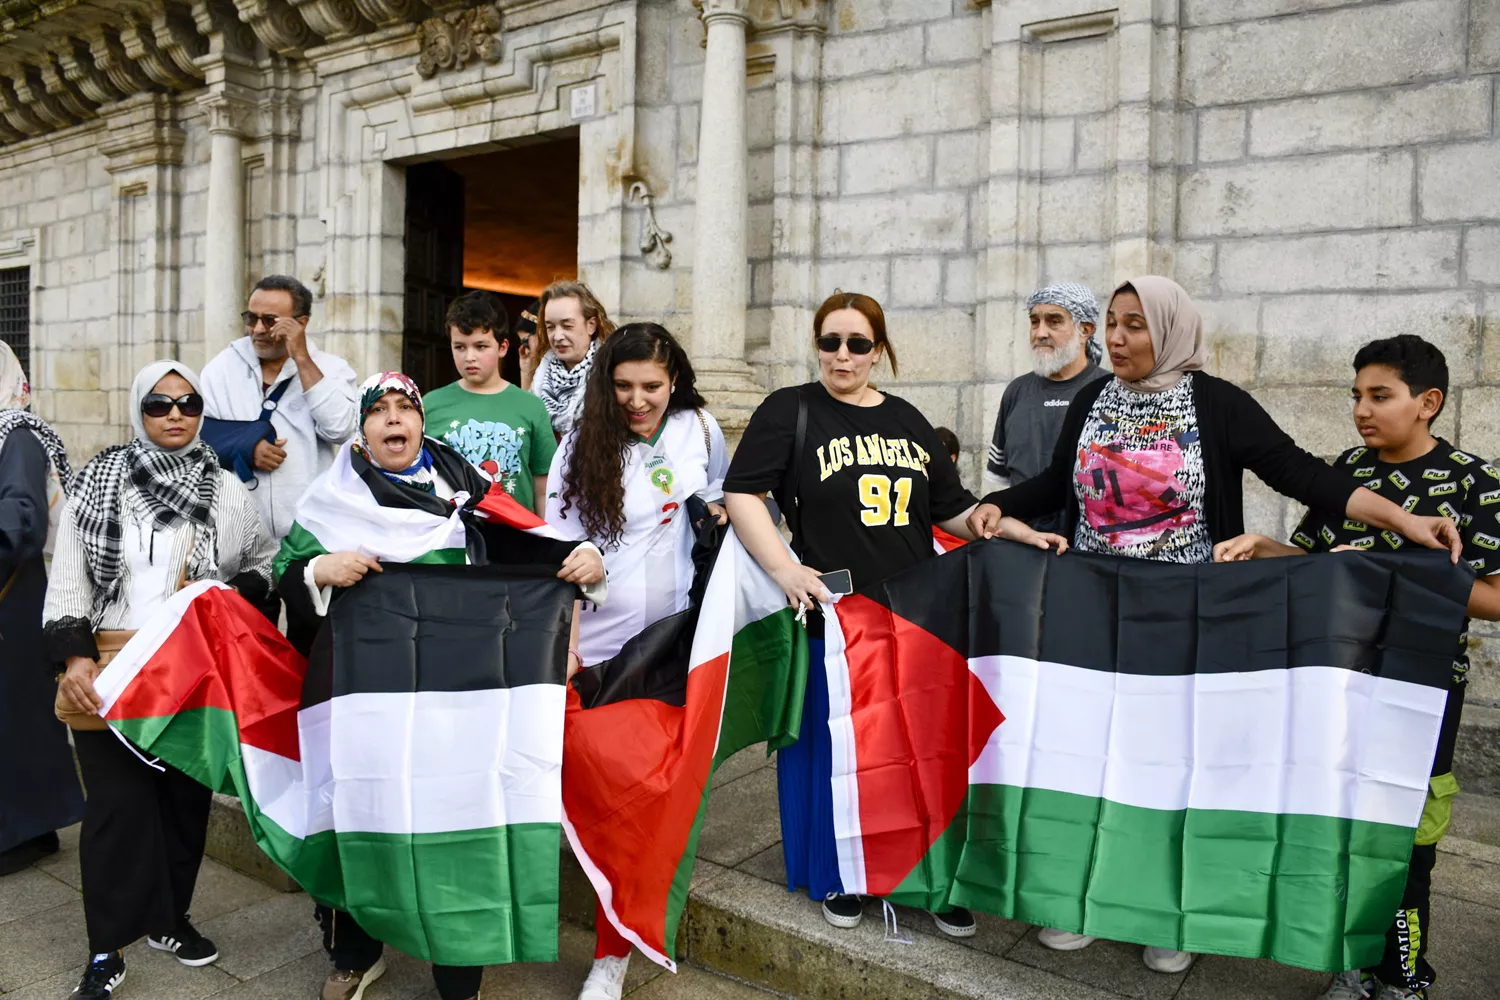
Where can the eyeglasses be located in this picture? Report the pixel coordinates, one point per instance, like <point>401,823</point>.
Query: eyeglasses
<point>159,404</point>
<point>829,344</point>
<point>253,320</point>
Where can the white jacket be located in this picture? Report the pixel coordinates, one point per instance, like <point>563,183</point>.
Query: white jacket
<point>314,423</point>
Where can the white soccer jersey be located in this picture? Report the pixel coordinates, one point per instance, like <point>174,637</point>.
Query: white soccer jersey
<point>651,568</point>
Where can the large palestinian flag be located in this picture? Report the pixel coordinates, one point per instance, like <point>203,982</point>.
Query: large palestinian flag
<point>1229,759</point>
<point>638,761</point>
<point>412,777</point>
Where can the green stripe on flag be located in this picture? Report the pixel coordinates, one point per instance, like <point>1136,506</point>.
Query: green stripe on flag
<point>300,543</point>
<point>1194,879</point>
<point>768,663</point>
<point>424,894</point>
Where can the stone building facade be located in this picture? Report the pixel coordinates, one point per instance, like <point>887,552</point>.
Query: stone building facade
<point>1315,172</point>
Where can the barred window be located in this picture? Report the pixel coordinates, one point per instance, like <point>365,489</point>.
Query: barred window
<point>15,313</point>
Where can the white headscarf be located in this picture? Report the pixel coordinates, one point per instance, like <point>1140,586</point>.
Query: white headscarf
<point>142,386</point>
<point>15,406</point>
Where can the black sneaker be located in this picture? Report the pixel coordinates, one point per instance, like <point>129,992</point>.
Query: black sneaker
<point>957,922</point>
<point>190,947</point>
<point>843,910</point>
<point>103,976</point>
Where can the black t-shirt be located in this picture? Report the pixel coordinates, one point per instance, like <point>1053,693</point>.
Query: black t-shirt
<point>873,481</point>
<point>1445,482</point>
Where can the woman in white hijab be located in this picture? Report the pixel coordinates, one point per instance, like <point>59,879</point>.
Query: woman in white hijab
<point>39,792</point>
<point>143,518</point>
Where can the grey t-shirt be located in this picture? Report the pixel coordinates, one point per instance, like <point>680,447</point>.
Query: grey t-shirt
<point>1026,428</point>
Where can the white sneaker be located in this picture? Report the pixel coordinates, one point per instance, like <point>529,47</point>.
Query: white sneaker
<point>1167,961</point>
<point>606,979</point>
<point>1063,940</point>
<point>1346,986</point>
<point>1395,993</point>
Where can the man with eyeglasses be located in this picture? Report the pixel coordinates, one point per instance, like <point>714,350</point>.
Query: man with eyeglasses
<point>308,395</point>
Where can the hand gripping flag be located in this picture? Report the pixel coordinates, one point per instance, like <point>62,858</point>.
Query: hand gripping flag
<point>637,764</point>
<point>1229,759</point>
<point>411,777</point>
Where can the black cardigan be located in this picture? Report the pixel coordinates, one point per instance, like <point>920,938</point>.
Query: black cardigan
<point>1236,434</point>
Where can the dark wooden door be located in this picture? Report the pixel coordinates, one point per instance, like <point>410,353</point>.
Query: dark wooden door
<point>434,270</point>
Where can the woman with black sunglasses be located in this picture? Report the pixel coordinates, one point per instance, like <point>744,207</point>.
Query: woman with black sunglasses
<point>872,480</point>
<point>142,519</point>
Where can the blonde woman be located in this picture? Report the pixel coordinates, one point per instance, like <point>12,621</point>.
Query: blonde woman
<point>570,326</point>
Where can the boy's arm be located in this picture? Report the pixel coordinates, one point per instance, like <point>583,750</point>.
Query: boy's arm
<point>1484,599</point>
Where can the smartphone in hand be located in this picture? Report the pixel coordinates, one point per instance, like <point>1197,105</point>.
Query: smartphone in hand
<point>837,582</point>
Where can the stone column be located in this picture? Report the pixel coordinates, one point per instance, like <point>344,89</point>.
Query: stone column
<point>224,246</point>
<point>721,276</point>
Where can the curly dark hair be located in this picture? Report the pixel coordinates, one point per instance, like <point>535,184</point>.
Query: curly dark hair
<point>594,482</point>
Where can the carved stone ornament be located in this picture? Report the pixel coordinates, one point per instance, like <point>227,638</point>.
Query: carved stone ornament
<point>455,39</point>
<point>387,13</point>
<point>654,238</point>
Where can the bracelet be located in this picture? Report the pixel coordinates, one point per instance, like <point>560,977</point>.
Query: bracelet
<point>574,652</point>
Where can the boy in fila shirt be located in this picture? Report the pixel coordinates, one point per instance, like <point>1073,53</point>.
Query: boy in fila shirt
<point>1399,389</point>
<point>498,427</point>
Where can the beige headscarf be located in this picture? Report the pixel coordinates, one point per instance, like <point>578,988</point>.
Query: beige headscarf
<point>1176,331</point>
<point>15,411</point>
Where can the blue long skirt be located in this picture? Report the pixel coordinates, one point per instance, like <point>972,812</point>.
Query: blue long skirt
<point>804,775</point>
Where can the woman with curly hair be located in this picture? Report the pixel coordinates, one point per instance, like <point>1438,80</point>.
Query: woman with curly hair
<point>623,478</point>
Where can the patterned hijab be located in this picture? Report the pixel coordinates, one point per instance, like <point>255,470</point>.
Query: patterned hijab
<point>168,486</point>
<point>1176,331</point>
<point>15,411</point>
<point>419,475</point>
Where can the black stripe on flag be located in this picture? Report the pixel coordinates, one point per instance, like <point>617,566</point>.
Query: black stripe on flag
<point>1396,616</point>
<point>442,628</point>
<point>653,664</point>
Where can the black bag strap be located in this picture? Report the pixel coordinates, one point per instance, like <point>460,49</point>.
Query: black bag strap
<point>793,482</point>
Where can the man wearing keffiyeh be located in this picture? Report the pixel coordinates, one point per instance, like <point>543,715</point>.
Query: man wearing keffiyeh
<point>1065,358</point>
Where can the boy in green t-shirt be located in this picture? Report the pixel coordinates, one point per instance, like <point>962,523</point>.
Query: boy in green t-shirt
<point>500,428</point>
<point>1399,389</point>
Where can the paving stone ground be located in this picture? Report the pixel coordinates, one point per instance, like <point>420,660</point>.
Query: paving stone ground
<point>271,951</point>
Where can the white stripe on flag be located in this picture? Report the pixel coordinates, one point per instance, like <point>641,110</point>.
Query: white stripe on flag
<point>1320,741</point>
<point>848,834</point>
<point>431,762</point>
<point>739,592</point>
<point>119,672</point>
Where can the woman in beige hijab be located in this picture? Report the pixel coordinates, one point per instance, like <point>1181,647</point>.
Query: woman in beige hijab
<point>1150,465</point>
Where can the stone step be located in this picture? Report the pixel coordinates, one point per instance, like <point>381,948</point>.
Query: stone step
<point>1476,758</point>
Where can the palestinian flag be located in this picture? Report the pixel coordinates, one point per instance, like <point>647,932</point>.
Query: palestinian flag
<point>638,762</point>
<point>411,776</point>
<point>1228,759</point>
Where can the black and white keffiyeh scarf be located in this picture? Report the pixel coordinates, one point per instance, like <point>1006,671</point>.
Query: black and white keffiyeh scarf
<point>562,391</point>
<point>169,486</point>
<point>51,443</point>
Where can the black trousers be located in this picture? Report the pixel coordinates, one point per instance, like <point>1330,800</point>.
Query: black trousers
<point>353,950</point>
<point>1404,963</point>
<point>141,844</point>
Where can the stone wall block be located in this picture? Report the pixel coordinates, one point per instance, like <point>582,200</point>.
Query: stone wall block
<point>1349,191</point>
<point>1192,266</point>
<point>1075,209</point>
<point>869,276</point>
<point>1453,110</point>
<point>1482,255</point>
<point>1393,259</point>
<point>916,281</point>
<point>1057,146</point>
<point>1096,141</point>
<point>959,281</point>
<point>1481,431</point>
<point>1074,80</point>
<point>941,99</point>
<point>935,338</point>
<point>938,403</point>
<point>873,15</point>
<point>1091,264</point>
<point>1265,510</point>
<point>1458,182</point>
<point>1311,339</point>
<point>1484,36</point>
<point>1201,12</point>
<point>893,224</point>
<point>1489,315</point>
<point>877,167</point>
<point>1372,45</point>
<point>956,161</point>
<point>1221,134</point>
<point>867,54</point>
<point>958,40</point>
<point>1319,418</point>
<point>1230,333</point>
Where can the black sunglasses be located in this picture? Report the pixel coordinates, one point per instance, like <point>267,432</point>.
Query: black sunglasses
<point>159,404</point>
<point>829,344</point>
<point>253,320</point>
